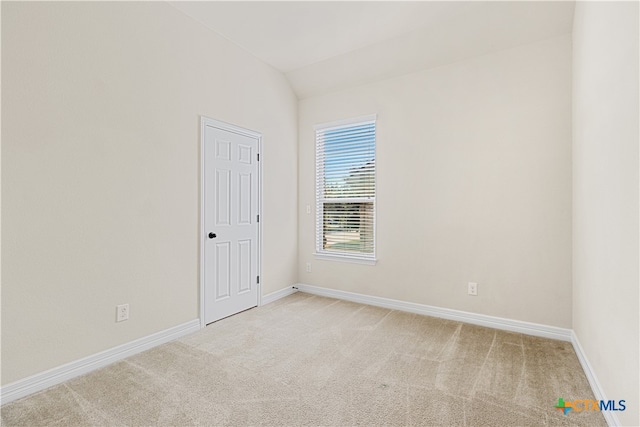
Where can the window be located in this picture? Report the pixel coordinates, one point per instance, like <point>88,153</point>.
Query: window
<point>346,189</point>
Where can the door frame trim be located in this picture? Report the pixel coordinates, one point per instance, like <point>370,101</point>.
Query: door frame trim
<point>206,121</point>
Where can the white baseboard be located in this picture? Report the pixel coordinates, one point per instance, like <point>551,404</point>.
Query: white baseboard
<point>598,392</point>
<point>46,379</point>
<point>445,313</point>
<point>274,296</point>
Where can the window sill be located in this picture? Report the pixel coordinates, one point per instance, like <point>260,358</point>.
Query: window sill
<point>346,258</point>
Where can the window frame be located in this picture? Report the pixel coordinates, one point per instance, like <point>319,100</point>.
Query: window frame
<point>320,252</point>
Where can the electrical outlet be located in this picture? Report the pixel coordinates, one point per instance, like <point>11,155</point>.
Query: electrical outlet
<point>473,289</point>
<point>308,267</point>
<point>122,312</point>
<point>308,209</point>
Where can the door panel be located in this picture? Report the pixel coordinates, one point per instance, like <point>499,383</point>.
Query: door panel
<point>231,201</point>
<point>244,199</point>
<point>222,269</point>
<point>244,266</point>
<point>223,196</point>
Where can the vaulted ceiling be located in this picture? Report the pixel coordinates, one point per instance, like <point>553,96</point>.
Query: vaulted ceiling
<point>327,46</point>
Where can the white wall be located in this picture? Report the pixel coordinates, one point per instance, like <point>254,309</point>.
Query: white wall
<point>100,172</point>
<point>605,198</point>
<point>474,184</point>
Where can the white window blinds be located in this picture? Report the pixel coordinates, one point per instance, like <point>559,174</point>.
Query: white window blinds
<point>346,188</point>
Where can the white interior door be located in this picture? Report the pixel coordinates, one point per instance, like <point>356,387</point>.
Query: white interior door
<point>230,219</point>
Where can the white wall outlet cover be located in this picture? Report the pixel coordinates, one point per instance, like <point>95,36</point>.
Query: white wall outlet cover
<point>473,288</point>
<point>122,312</point>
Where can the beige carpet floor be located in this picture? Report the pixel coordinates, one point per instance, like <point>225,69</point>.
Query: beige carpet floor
<point>308,360</point>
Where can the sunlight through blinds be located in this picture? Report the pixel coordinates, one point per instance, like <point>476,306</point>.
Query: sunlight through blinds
<point>346,188</point>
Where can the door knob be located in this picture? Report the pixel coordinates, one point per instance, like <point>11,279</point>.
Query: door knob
<point>212,235</point>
